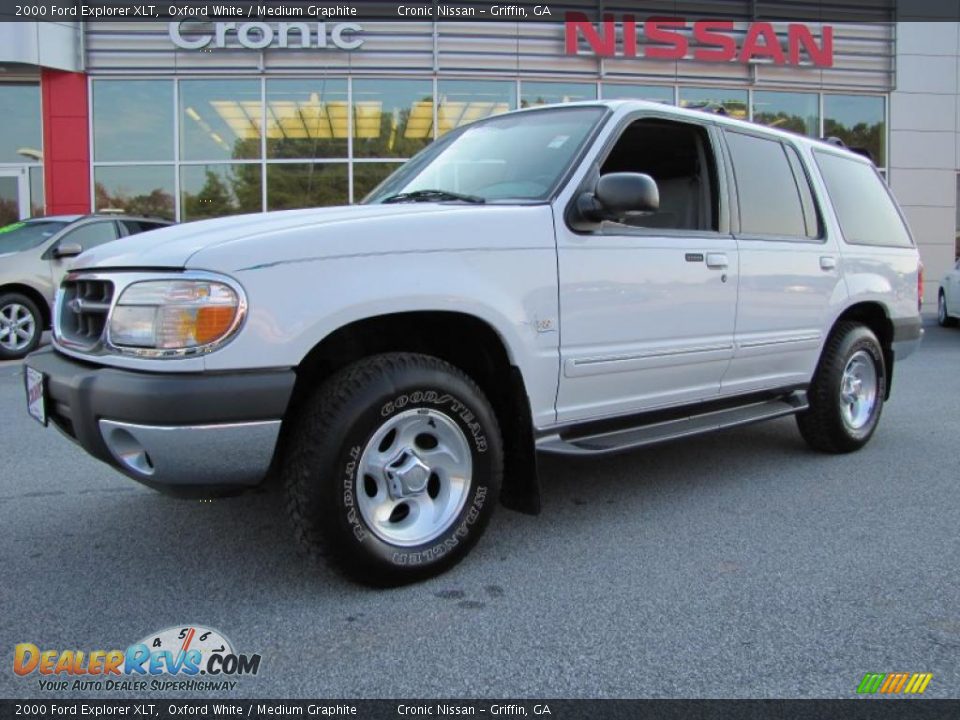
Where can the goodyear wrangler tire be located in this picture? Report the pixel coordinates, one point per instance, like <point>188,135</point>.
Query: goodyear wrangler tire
<point>847,392</point>
<point>394,468</point>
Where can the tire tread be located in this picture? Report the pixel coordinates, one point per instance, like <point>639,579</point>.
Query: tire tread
<point>315,532</point>
<point>821,426</point>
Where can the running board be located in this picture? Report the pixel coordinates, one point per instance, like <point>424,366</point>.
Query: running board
<point>657,432</point>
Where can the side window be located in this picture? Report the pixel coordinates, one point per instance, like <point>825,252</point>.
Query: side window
<point>811,216</point>
<point>770,201</point>
<point>862,202</point>
<point>679,157</point>
<point>138,226</point>
<point>92,234</point>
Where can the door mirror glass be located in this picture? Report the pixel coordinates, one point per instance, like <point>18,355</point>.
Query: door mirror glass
<point>618,194</point>
<point>65,250</point>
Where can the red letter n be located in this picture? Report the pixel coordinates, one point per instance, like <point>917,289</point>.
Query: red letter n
<point>577,24</point>
<point>800,36</point>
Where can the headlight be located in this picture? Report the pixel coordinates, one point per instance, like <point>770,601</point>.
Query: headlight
<point>175,317</point>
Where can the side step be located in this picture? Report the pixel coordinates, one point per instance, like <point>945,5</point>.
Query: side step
<point>678,427</point>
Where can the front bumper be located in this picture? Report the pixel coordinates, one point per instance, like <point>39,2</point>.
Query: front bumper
<point>170,429</point>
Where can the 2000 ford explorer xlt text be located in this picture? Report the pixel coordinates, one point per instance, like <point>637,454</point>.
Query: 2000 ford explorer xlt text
<point>578,279</point>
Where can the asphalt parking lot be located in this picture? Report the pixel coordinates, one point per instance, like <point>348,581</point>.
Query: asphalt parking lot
<point>735,565</point>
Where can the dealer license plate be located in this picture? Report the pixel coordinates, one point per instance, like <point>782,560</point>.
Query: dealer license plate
<point>36,405</point>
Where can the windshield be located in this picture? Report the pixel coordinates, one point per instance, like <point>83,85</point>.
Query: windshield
<point>520,156</point>
<point>25,235</point>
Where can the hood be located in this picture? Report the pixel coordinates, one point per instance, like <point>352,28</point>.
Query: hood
<point>172,247</point>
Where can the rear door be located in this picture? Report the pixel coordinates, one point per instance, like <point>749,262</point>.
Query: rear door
<point>789,267</point>
<point>647,308</point>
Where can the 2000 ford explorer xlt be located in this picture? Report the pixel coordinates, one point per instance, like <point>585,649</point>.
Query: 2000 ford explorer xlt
<point>579,279</point>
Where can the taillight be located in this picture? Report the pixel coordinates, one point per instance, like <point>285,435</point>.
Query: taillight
<point>919,287</point>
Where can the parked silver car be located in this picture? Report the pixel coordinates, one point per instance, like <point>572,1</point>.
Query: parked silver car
<point>948,298</point>
<point>34,255</point>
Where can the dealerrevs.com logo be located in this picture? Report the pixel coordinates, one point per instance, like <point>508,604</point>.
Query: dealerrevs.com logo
<point>189,657</point>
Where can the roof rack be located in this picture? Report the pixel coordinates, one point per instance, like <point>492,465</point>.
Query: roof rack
<point>865,152</point>
<point>707,106</point>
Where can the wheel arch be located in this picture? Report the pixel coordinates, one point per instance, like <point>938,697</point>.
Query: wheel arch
<point>35,295</point>
<point>875,316</point>
<point>465,341</point>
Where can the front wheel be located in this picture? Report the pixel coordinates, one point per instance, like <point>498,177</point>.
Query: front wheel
<point>394,468</point>
<point>21,326</point>
<point>847,392</point>
<point>943,317</point>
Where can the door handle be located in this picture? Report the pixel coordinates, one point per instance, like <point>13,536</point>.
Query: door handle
<point>828,262</point>
<point>717,261</point>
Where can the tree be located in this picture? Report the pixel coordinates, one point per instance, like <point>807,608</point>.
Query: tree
<point>156,203</point>
<point>213,200</point>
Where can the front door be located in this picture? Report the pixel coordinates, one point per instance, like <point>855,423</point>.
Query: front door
<point>14,196</point>
<point>648,304</point>
<point>86,236</point>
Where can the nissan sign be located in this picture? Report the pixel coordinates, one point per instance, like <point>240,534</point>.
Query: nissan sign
<point>259,36</point>
<point>713,40</point>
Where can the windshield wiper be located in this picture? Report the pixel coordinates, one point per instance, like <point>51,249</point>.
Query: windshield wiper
<point>431,195</point>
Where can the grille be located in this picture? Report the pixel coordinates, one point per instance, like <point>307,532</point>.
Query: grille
<point>82,312</point>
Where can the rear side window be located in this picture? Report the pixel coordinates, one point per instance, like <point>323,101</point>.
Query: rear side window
<point>770,202</point>
<point>138,226</point>
<point>862,202</point>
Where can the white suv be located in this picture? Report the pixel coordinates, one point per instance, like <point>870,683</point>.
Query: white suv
<point>579,279</point>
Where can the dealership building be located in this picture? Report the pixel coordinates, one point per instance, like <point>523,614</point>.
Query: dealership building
<point>198,118</point>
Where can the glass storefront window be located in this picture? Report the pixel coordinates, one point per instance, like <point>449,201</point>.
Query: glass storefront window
<point>137,190</point>
<point>733,102</point>
<point>20,111</point>
<point>367,175</point>
<point>858,120</point>
<point>132,120</point>
<point>463,101</point>
<point>9,200</point>
<point>796,112</point>
<point>37,202</point>
<point>304,185</point>
<point>220,119</point>
<point>392,118</point>
<point>550,93</point>
<point>216,190</point>
<point>653,93</point>
<point>307,118</point>
<point>223,124</point>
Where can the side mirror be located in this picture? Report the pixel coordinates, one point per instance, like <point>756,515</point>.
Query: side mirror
<point>618,194</point>
<point>65,250</point>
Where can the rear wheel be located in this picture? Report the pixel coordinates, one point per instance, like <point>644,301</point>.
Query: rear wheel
<point>942,316</point>
<point>394,468</point>
<point>846,395</point>
<point>21,326</point>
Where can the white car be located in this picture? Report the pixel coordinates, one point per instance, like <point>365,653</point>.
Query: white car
<point>578,279</point>
<point>948,298</point>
